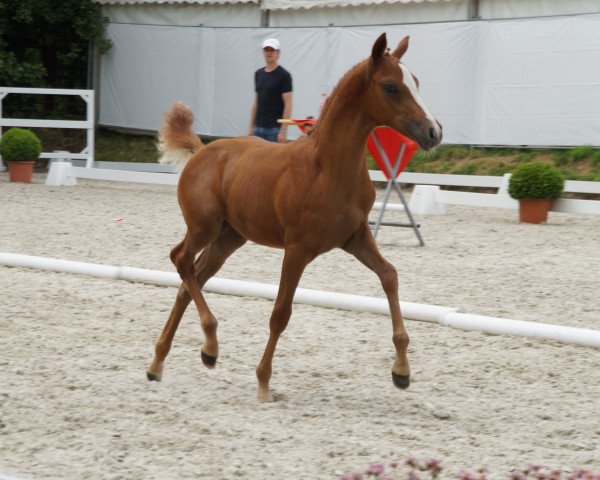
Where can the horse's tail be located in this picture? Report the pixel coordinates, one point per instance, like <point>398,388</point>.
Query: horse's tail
<point>177,142</point>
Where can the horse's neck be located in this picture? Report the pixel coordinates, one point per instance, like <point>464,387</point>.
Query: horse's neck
<point>341,141</point>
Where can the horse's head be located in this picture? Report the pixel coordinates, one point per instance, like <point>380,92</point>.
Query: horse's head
<point>394,96</point>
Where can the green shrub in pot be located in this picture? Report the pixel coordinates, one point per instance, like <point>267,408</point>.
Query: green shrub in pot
<point>536,181</point>
<point>20,145</point>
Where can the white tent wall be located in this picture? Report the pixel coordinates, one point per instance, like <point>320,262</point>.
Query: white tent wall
<point>287,14</point>
<point>147,68</point>
<point>509,82</point>
<point>296,13</point>
<point>539,82</point>
<point>283,13</point>
<point>186,14</point>
<point>212,71</point>
<point>495,9</point>
<point>314,13</point>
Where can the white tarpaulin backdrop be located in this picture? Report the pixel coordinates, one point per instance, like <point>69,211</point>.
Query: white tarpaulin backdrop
<point>505,82</point>
<point>319,13</point>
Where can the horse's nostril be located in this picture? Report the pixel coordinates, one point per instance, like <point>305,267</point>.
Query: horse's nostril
<point>432,134</point>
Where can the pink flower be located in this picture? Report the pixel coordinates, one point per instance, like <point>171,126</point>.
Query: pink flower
<point>517,476</point>
<point>412,476</point>
<point>376,469</point>
<point>352,476</point>
<point>555,474</point>
<point>434,466</point>
<point>585,475</point>
<point>466,475</point>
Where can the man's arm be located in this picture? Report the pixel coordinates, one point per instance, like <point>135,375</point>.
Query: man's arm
<point>287,113</point>
<point>252,116</point>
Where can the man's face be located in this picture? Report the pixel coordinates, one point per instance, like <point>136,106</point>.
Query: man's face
<point>271,55</point>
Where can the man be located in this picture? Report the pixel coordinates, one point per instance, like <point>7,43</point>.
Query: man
<point>273,100</point>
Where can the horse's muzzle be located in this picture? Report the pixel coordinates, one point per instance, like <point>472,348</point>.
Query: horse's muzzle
<point>427,134</point>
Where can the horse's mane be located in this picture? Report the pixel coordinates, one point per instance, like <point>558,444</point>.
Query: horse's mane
<point>350,85</point>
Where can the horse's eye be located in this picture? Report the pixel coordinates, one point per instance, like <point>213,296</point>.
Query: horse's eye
<point>390,88</point>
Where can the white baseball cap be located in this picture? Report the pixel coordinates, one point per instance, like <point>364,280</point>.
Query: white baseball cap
<point>271,42</point>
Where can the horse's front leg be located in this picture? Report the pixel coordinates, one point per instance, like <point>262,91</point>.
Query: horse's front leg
<point>294,263</point>
<point>362,245</point>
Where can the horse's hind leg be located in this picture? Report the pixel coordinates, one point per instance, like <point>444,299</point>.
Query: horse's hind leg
<point>207,265</point>
<point>163,344</point>
<point>362,245</point>
<point>216,254</point>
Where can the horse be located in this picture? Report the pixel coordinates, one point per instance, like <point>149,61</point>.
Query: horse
<point>306,197</point>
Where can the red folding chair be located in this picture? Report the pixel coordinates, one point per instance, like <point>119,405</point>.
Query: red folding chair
<point>383,144</point>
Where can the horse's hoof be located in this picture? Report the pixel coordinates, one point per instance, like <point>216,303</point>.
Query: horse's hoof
<point>265,397</point>
<point>153,377</point>
<point>208,360</point>
<point>401,381</point>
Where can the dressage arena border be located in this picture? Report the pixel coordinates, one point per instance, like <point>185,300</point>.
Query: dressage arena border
<point>428,199</point>
<point>445,316</point>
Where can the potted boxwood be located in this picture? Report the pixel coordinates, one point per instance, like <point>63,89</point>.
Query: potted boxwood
<point>20,149</point>
<point>535,185</point>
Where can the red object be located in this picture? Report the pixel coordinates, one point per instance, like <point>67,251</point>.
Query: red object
<point>302,122</point>
<point>391,141</point>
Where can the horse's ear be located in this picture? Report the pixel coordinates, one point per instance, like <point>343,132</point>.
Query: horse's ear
<point>379,48</point>
<point>401,48</point>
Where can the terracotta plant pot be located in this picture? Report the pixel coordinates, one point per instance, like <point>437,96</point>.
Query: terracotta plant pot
<point>20,171</point>
<point>533,210</point>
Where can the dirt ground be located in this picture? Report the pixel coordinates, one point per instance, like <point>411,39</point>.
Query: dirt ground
<point>75,402</point>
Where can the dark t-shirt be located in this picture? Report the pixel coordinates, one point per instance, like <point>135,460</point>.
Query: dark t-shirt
<point>269,87</point>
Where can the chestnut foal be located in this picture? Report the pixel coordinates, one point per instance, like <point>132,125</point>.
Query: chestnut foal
<point>307,197</point>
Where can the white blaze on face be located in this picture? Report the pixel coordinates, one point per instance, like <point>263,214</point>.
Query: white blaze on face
<point>410,83</point>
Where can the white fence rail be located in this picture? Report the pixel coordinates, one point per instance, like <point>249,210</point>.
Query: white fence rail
<point>125,176</point>
<point>501,199</point>
<point>87,153</point>
<point>571,186</point>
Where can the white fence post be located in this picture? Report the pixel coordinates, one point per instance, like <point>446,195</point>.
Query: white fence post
<point>2,95</point>
<point>87,153</point>
<point>89,100</point>
<point>503,189</point>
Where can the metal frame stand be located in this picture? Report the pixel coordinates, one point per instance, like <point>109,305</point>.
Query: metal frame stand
<point>393,183</point>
